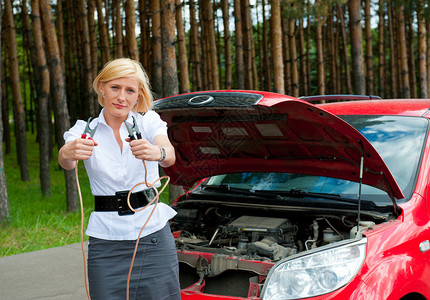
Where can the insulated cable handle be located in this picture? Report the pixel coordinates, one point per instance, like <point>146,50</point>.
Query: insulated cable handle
<point>133,132</point>
<point>88,131</point>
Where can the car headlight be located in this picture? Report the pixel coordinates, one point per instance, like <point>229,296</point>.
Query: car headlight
<point>316,273</point>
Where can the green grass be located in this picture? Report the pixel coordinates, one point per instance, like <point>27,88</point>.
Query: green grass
<point>37,222</point>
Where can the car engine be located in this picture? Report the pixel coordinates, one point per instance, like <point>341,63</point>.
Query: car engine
<point>213,240</point>
<point>258,237</point>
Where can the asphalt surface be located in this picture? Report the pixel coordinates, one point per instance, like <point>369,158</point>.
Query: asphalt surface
<point>55,273</point>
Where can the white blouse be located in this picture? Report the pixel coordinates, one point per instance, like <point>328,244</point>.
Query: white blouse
<point>110,170</point>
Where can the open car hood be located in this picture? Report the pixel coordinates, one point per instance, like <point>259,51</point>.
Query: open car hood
<point>246,131</point>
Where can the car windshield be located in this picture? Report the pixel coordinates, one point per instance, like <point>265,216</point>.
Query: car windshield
<point>398,140</point>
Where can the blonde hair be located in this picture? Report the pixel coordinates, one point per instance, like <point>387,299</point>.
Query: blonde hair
<point>125,67</point>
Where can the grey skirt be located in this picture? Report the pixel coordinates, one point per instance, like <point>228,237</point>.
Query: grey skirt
<point>155,274</point>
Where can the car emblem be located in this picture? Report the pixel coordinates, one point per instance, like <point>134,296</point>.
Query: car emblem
<point>200,100</point>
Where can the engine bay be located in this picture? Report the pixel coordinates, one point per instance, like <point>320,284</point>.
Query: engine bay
<point>268,236</point>
<point>222,245</point>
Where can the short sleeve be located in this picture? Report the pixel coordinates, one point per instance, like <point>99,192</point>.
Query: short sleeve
<point>75,132</point>
<point>153,125</point>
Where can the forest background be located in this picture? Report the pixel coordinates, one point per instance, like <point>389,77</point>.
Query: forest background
<point>52,50</point>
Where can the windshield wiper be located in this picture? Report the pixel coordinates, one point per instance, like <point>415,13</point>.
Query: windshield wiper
<point>300,193</point>
<point>284,195</point>
<point>256,193</point>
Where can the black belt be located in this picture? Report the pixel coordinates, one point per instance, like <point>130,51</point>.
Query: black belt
<point>118,202</point>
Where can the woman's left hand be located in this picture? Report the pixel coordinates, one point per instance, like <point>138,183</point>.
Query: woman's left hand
<point>144,150</point>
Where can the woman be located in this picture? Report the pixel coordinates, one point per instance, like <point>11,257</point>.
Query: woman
<point>114,165</point>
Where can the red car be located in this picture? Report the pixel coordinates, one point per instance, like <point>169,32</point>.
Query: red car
<point>296,200</point>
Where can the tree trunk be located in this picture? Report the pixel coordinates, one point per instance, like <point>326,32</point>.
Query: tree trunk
<point>331,53</point>
<point>28,46</point>
<point>207,14</point>
<point>253,56</point>
<point>5,105</point>
<point>103,34</point>
<point>58,90</point>
<point>60,31</point>
<point>247,43</point>
<point>266,62</point>
<point>4,199</point>
<point>276,42</point>
<point>92,34</point>
<point>42,86</point>
<point>227,44</point>
<point>286,56</point>
<point>303,74</point>
<point>145,39</point>
<point>117,25</point>
<point>369,48</point>
<point>70,65</point>
<point>404,69</point>
<point>410,51</point>
<point>170,79</point>
<point>259,48</point>
<point>347,71</point>
<point>184,80</point>
<point>393,54</point>
<point>381,49</point>
<point>206,65</point>
<point>422,48</point>
<point>157,72</point>
<point>93,61</point>
<point>240,66</point>
<point>338,54</point>
<point>130,25</point>
<point>87,77</point>
<point>428,55</point>
<point>308,54</point>
<point>293,58</point>
<point>19,115</point>
<point>195,49</point>
<point>320,55</point>
<point>356,47</point>
<point>82,102</point>
<point>218,43</point>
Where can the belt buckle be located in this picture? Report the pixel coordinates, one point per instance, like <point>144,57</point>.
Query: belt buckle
<point>123,208</point>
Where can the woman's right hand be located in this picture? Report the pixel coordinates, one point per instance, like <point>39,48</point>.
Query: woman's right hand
<point>79,149</point>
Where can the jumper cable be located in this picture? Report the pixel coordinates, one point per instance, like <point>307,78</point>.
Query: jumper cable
<point>134,134</point>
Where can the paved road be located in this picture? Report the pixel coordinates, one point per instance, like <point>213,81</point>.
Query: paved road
<point>55,273</point>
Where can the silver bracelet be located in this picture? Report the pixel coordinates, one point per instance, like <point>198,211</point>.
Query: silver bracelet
<point>163,154</point>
